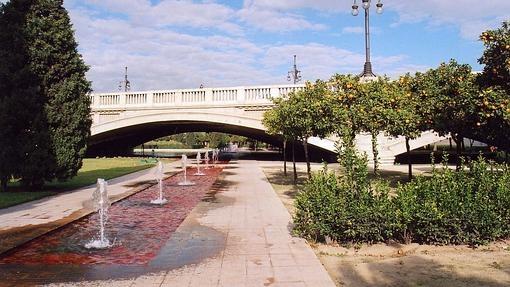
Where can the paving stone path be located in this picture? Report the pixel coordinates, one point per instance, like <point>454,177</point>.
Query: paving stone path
<point>260,250</point>
<point>239,236</point>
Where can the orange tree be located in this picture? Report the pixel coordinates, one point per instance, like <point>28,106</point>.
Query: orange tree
<point>346,101</point>
<point>407,116</point>
<point>278,122</point>
<point>310,114</point>
<point>451,94</point>
<point>376,101</point>
<point>302,114</point>
<point>493,126</point>
<point>496,58</point>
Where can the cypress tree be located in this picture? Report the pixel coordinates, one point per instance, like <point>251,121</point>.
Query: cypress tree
<point>23,135</point>
<point>54,58</point>
<point>44,104</point>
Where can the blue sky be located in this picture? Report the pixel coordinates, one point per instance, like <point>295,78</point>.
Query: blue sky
<point>181,44</point>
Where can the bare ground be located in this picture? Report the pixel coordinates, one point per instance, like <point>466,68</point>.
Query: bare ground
<point>403,265</point>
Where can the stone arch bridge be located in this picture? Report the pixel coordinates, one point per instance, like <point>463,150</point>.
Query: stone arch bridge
<point>123,120</point>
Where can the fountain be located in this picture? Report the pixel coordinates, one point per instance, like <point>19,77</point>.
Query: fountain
<point>185,182</point>
<point>215,155</point>
<point>101,204</point>
<point>206,158</point>
<point>159,176</point>
<point>199,159</point>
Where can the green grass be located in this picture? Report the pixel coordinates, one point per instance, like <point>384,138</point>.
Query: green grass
<point>92,169</point>
<point>16,197</point>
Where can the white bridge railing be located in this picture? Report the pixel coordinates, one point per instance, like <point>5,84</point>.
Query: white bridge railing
<point>250,95</point>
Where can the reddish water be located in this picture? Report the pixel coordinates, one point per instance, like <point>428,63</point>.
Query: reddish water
<point>139,228</point>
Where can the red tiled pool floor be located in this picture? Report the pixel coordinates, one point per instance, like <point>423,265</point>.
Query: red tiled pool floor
<point>140,229</point>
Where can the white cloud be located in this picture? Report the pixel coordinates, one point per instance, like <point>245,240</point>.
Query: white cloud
<point>360,30</point>
<point>270,19</point>
<point>174,13</point>
<point>161,56</point>
<point>471,16</point>
<point>328,5</point>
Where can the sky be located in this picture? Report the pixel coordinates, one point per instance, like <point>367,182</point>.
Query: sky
<point>169,44</point>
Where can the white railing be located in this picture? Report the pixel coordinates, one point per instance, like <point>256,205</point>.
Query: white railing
<point>191,97</point>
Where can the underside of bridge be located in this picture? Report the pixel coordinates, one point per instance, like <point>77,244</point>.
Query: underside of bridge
<point>121,141</point>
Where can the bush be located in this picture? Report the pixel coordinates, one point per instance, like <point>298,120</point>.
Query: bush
<point>471,206</point>
<point>343,211</point>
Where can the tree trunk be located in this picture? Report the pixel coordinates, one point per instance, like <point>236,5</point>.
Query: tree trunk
<point>305,147</point>
<point>285,158</point>
<point>458,143</point>
<point>375,153</point>
<point>451,146</point>
<point>3,184</point>
<point>294,161</point>
<point>409,162</point>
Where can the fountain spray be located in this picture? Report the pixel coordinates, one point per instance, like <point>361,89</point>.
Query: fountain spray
<point>101,204</point>
<point>199,159</point>
<point>159,176</point>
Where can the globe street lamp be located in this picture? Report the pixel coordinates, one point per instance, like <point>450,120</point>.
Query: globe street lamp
<point>365,4</point>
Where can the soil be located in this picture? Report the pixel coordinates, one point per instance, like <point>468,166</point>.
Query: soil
<point>405,264</point>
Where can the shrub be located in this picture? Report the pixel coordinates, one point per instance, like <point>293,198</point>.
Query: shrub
<point>471,206</point>
<point>347,208</point>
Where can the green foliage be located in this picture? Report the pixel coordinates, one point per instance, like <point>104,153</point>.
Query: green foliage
<point>197,140</point>
<point>302,114</point>
<point>54,58</point>
<point>333,207</point>
<point>471,206</point>
<point>496,58</point>
<point>24,134</point>
<point>44,106</point>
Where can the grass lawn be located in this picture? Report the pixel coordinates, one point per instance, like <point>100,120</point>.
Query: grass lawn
<point>92,169</point>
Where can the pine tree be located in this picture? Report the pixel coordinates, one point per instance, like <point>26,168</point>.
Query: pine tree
<point>61,72</point>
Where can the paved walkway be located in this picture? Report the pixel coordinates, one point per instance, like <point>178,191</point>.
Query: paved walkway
<point>238,237</point>
<point>259,249</point>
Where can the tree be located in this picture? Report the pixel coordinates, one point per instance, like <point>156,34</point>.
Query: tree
<point>274,122</point>
<point>310,114</point>
<point>54,58</point>
<point>278,122</point>
<point>496,58</point>
<point>451,91</point>
<point>493,126</point>
<point>375,100</point>
<point>42,78</point>
<point>23,137</point>
<point>346,118</point>
<point>406,117</point>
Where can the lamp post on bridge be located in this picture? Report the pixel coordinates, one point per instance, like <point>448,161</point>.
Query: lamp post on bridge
<point>367,73</point>
<point>294,74</point>
<point>126,84</point>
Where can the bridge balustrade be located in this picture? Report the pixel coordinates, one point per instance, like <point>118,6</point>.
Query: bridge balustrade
<point>236,96</point>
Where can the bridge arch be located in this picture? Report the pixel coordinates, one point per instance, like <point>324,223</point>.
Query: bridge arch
<point>118,137</point>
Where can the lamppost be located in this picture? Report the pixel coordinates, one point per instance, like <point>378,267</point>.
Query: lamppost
<point>126,84</point>
<point>294,74</point>
<point>365,4</point>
